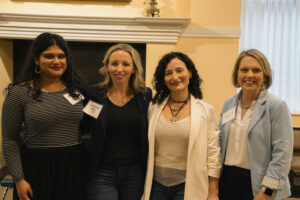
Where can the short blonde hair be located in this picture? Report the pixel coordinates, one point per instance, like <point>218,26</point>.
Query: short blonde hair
<point>263,61</point>
<point>136,82</point>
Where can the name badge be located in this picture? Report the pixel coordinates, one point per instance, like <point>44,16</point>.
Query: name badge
<point>72,100</point>
<point>92,109</point>
<point>228,116</point>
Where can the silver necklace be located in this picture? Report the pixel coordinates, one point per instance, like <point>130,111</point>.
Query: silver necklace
<point>243,106</point>
<point>174,119</point>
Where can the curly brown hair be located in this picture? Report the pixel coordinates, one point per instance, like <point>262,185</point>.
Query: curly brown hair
<point>158,82</point>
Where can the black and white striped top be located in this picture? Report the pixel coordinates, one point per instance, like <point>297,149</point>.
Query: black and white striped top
<point>51,122</point>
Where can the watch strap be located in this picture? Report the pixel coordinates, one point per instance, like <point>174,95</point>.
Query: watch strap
<point>267,191</point>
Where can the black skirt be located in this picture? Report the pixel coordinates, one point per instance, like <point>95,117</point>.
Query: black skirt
<point>55,173</point>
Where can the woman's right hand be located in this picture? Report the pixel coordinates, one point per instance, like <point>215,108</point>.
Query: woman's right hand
<point>262,196</point>
<point>24,190</point>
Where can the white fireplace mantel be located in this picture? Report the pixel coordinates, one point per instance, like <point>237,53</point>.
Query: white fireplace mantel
<point>94,29</point>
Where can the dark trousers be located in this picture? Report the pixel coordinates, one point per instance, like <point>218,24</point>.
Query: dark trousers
<point>117,182</point>
<point>235,184</point>
<point>161,192</point>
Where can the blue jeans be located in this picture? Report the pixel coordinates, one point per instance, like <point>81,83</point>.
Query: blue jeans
<point>161,192</point>
<point>117,182</point>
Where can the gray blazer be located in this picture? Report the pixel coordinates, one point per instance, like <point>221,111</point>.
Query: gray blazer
<point>270,141</point>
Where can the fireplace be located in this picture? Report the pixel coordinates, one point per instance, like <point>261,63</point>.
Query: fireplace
<point>86,57</point>
<point>90,34</point>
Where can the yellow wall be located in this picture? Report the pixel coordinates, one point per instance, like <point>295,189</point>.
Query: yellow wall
<point>216,12</point>
<point>79,8</point>
<point>6,69</point>
<point>6,66</point>
<point>214,57</point>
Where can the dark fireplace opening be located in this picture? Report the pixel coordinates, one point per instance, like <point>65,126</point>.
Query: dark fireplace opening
<point>86,57</point>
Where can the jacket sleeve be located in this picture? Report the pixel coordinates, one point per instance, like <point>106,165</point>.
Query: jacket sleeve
<point>282,146</point>
<point>213,147</point>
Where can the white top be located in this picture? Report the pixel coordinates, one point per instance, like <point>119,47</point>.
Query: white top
<point>171,148</point>
<point>237,151</point>
<point>203,158</point>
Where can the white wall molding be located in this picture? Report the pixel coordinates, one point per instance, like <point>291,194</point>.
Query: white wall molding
<point>100,29</point>
<point>108,29</point>
<point>208,31</point>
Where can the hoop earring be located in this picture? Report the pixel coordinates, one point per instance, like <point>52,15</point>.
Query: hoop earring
<point>37,69</point>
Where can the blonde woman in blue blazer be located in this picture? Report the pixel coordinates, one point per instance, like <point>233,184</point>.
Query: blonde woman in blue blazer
<point>256,135</point>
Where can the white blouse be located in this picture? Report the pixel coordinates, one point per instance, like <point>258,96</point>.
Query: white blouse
<point>237,151</point>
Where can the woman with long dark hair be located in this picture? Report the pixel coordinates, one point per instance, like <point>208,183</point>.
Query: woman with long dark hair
<point>45,102</point>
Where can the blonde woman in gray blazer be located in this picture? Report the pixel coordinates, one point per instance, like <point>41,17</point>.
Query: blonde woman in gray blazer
<point>256,135</point>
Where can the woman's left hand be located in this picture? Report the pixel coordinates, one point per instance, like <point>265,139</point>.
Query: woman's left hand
<point>213,192</point>
<point>213,196</point>
<point>262,196</point>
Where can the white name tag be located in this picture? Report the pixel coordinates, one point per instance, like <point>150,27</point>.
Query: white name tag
<point>72,100</point>
<point>228,116</point>
<point>92,109</point>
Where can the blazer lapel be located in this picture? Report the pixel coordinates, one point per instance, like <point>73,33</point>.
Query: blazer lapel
<point>156,110</point>
<point>102,118</point>
<point>153,121</point>
<point>196,117</point>
<point>142,112</point>
<point>231,105</point>
<point>258,110</point>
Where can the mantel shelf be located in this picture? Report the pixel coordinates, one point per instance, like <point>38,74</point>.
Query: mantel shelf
<point>94,29</point>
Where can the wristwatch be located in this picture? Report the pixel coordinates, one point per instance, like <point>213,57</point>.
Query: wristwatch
<point>267,191</point>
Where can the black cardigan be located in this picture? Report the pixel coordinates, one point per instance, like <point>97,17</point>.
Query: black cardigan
<point>97,127</point>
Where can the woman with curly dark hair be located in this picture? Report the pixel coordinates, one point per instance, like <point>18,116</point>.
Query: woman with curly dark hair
<point>184,153</point>
<point>45,101</point>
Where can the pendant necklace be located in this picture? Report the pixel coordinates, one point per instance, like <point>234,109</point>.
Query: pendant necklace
<point>124,99</point>
<point>174,119</point>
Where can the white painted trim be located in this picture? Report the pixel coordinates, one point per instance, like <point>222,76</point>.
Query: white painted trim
<point>98,29</point>
<point>108,29</point>
<point>208,31</point>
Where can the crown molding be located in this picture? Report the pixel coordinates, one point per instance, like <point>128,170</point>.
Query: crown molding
<point>95,29</point>
<point>211,32</point>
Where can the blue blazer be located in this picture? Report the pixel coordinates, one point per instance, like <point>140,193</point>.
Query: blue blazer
<point>269,141</point>
<point>97,127</point>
